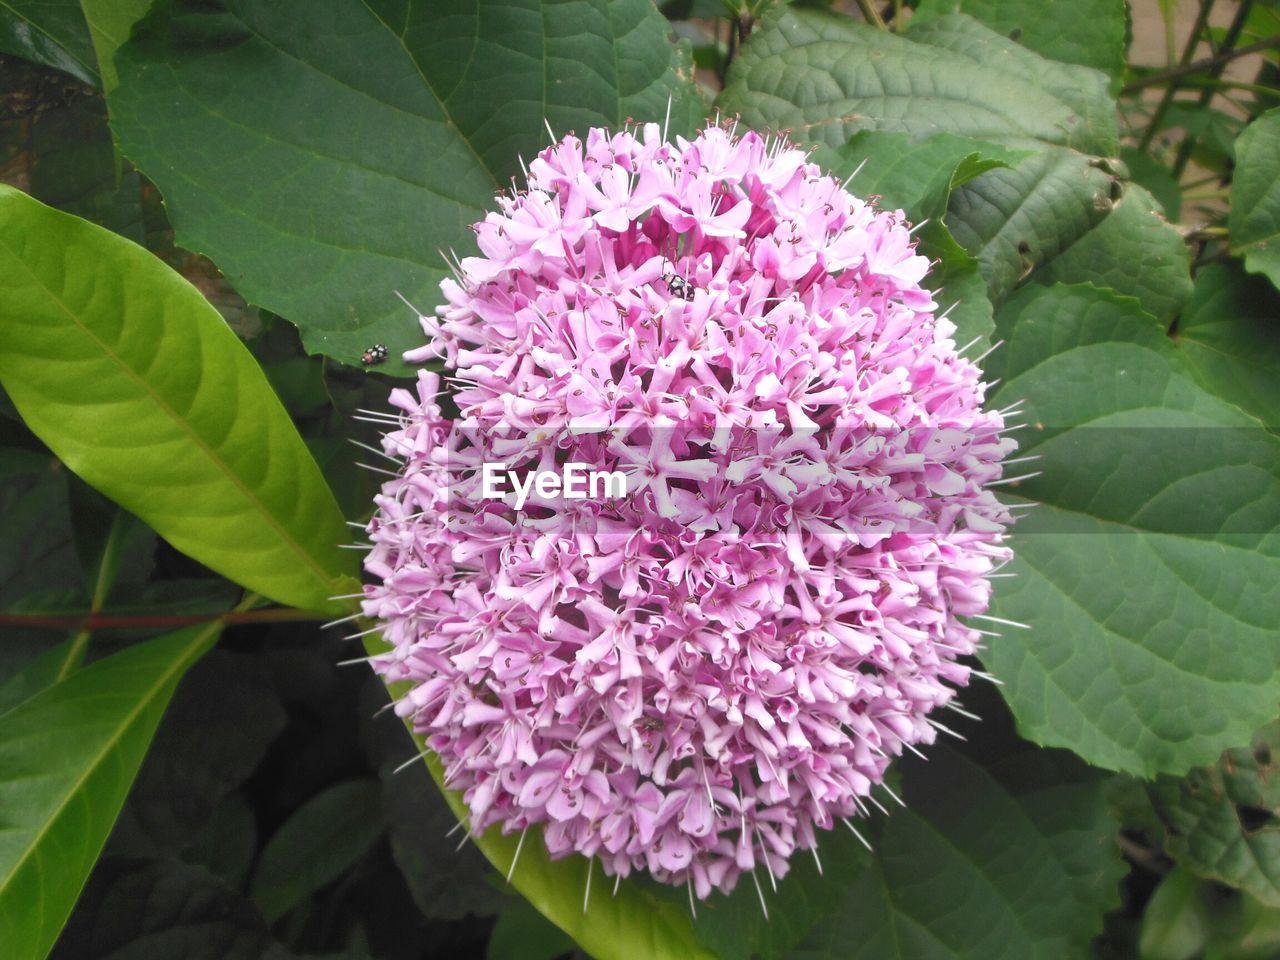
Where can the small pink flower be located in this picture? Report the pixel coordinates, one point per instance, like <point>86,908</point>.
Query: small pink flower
<point>693,678</point>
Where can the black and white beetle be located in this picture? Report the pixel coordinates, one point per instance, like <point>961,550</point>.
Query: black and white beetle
<point>678,285</point>
<point>374,355</point>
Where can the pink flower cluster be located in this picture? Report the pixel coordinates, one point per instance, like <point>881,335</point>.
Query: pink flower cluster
<point>694,678</point>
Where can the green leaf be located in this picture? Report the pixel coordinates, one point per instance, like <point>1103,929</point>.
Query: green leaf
<point>136,383</point>
<point>39,673</point>
<point>825,77</point>
<point>1150,173</point>
<point>1258,935</point>
<point>52,32</point>
<point>109,24</point>
<point>1255,197</point>
<point>1223,821</point>
<point>1135,252</point>
<point>1215,131</point>
<point>34,519</point>
<point>1175,925</point>
<point>113,545</point>
<point>389,129</point>
<point>1013,221</point>
<point>446,883</point>
<point>636,921</point>
<point>223,719</point>
<point>1087,32</point>
<point>1150,571</point>
<point>522,933</point>
<point>156,910</point>
<point>67,758</point>
<point>316,845</point>
<point>736,928</point>
<point>226,844</point>
<point>916,177</point>
<point>1229,335</point>
<point>970,871</point>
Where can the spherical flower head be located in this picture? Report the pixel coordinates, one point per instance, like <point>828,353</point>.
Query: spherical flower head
<point>693,678</point>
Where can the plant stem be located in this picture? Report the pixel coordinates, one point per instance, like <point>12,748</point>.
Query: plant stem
<point>1206,63</point>
<point>897,16</point>
<point>1228,44</point>
<point>872,14</point>
<point>1220,85</point>
<point>1202,18</point>
<point>102,581</point>
<point>1192,184</point>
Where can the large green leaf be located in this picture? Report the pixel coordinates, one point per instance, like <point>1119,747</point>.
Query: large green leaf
<point>636,921</point>
<point>52,32</point>
<point>825,77</point>
<point>1150,571</point>
<point>1015,220</point>
<point>389,127</point>
<point>1088,32</point>
<point>1255,196</point>
<point>137,384</point>
<point>1134,251</point>
<point>1223,821</point>
<point>67,758</point>
<point>1229,334</point>
<point>972,871</point>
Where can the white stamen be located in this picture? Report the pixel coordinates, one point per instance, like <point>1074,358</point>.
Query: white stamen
<point>963,712</point>
<point>511,870</point>
<point>861,838</point>
<point>945,729</point>
<point>1025,476</point>
<point>760,893</point>
<point>334,623</point>
<point>856,170</point>
<point>373,469</point>
<point>1007,623</point>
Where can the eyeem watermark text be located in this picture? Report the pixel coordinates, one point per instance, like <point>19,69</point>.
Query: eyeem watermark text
<point>574,482</point>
